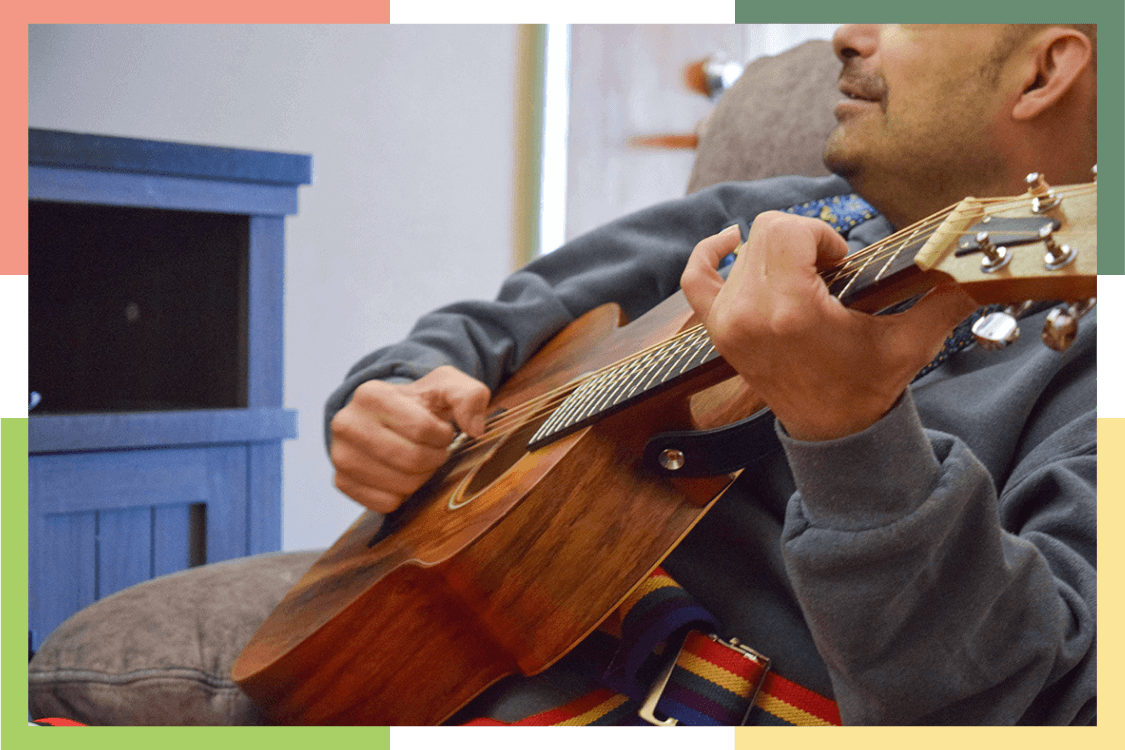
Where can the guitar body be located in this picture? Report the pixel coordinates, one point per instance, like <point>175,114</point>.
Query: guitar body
<point>488,571</point>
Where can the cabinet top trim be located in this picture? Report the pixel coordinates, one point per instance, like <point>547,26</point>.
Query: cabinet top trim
<point>67,433</point>
<point>84,151</point>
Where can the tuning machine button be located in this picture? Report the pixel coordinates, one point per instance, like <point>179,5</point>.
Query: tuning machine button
<point>1061,326</point>
<point>998,329</point>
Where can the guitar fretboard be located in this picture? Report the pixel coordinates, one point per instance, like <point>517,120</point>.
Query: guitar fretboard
<point>626,382</point>
<point>857,276</point>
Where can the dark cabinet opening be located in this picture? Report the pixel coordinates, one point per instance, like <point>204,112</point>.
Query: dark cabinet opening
<point>136,309</point>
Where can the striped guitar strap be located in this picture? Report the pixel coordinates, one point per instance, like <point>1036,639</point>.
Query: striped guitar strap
<point>658,676</point>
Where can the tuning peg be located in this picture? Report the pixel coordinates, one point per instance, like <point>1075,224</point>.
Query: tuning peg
<point>1043,199</point>
<point>995,257</point>
<point>998,329</point>
<point>1057,255</point>
<point>1061,325</point>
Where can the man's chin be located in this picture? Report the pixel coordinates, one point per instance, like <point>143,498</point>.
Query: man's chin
<point>839,162</point>
<point>845,148</point>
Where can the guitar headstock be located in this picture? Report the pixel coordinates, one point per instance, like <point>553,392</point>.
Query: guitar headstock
<point>1041,245</point>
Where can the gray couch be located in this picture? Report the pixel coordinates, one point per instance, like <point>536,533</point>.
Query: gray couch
<point>160,652</point>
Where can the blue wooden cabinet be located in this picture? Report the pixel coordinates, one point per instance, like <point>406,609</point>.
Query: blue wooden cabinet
<point>155,299</point>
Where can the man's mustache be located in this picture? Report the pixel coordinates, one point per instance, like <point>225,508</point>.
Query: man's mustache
<point>862,84</point>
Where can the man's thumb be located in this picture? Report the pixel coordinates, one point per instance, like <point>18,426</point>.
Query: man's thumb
<point>934,317</point>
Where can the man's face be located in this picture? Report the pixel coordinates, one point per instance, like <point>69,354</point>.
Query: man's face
<point>922,105</point>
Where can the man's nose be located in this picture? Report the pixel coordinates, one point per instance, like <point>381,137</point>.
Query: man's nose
<point>856,40</point>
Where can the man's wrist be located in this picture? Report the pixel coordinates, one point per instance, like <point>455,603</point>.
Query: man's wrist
<point>868,478</point>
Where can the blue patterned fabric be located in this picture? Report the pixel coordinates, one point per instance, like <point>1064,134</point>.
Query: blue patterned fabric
<point>841,212</point>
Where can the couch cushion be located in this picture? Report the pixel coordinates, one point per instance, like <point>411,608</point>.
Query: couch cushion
<point>773,121</point>
<point>160,652</point>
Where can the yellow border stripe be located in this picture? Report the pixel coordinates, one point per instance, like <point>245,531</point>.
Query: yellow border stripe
<point>595,713</point>
<point>715,674</point>
<point>790,713</point>
<point>648,585</point>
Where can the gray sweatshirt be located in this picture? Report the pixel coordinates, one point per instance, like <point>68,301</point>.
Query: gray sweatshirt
<point>936,568</point>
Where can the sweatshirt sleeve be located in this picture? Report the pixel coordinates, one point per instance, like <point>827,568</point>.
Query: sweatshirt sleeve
<point>934,597</point>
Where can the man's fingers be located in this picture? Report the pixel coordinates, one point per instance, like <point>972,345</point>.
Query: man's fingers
<point>701,281</point>
<point>452,395</point>
<point>391,437</point>
<point>830,245</point>
<point>391,406</point>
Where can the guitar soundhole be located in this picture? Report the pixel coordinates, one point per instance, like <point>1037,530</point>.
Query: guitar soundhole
<point>502,456</point>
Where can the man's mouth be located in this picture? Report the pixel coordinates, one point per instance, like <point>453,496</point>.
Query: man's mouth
<point>860,93</point>
<point>859,84</point>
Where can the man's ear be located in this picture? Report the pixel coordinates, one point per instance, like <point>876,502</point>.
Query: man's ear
<point>1061,57</point>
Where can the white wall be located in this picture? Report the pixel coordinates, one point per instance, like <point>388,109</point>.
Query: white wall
<point>412,135</point>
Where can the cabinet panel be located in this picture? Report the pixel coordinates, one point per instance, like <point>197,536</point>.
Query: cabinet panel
<point>99,522</point>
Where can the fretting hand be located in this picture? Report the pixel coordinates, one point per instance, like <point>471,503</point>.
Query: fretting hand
<point>825,371</point>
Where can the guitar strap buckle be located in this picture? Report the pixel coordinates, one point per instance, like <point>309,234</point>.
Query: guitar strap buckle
<point>736,669</point>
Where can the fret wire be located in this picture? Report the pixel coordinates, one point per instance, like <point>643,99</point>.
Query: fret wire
<point>891,257</point>
<point>581,407</point>
<point>702,343</point>
<point>628,374</point>
<point>855,276</point>
<point>628,383</point>
<point>660,375</point>
<point>674,367</point>
<point>905,243</point>
<point>890,245</point>
<point>636,383</point>
<point>574,401</point>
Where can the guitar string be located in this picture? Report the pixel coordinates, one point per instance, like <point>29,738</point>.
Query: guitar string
<point>546,400</point>
<point>501,424</point>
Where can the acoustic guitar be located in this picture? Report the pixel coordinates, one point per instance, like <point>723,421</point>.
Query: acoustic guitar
<point>534,533</point>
